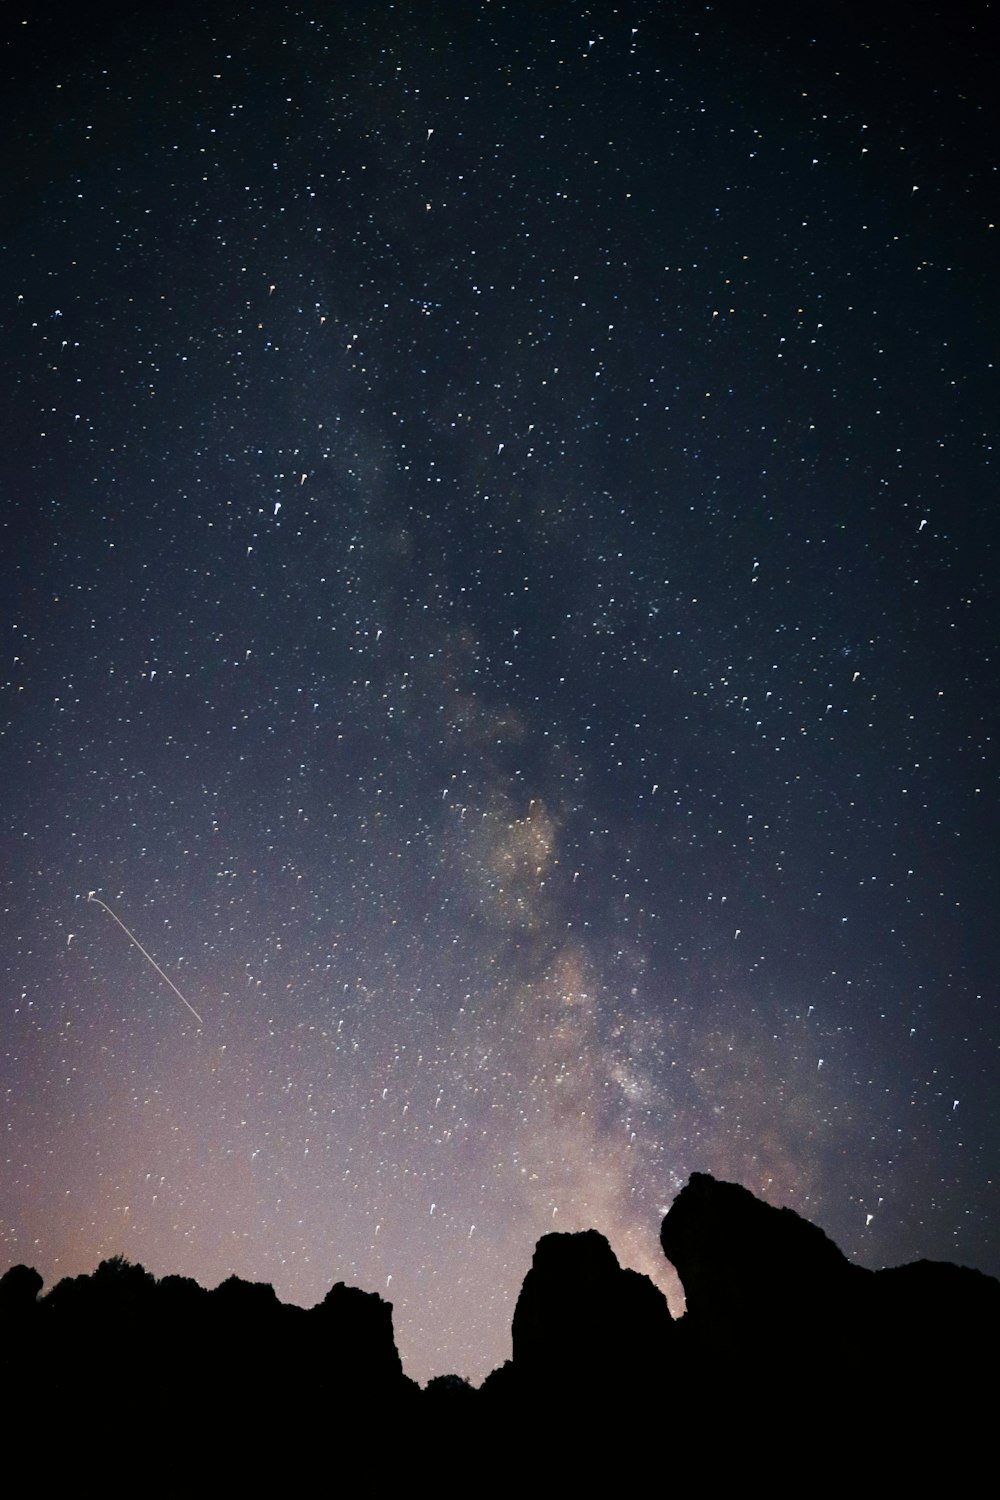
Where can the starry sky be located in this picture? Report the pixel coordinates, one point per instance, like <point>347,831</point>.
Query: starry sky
<point>499,549</point>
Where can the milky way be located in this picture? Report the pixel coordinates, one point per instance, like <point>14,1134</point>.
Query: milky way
<point>498,597</point>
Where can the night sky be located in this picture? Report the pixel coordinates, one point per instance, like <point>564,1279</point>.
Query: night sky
<point>499,551</point>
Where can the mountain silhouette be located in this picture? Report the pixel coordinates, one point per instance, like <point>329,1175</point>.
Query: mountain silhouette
<point>788,1360</point>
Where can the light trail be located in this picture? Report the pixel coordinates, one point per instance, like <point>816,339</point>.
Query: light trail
<point>133,939</point>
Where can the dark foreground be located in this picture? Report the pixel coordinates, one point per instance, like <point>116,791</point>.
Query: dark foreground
<point>791,1369</point>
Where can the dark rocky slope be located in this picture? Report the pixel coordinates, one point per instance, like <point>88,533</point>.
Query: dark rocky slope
<point>790,1365</point>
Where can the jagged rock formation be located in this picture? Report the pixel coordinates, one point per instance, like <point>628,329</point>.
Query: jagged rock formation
<point>248,1388</point>
<point>19,1289</point>
<point>753,1275</point>
<point>759,1278</point>
<point>860,1362</point>
<point>787,1354</point>
<point>356,1327</point>
<point>585,1326</point>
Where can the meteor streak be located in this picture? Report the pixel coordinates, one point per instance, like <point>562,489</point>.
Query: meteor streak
<point>133,939</point>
